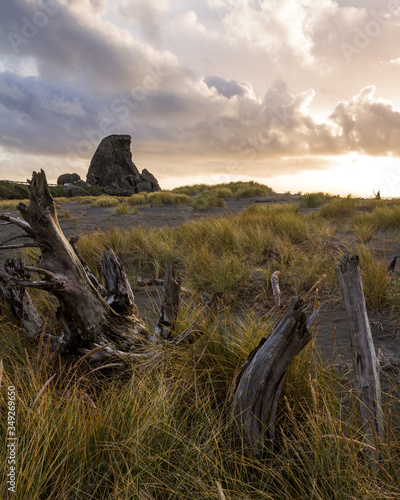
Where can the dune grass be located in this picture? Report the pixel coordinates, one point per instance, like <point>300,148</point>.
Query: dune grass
<point>167,198</point>
<point>313,200</point>
<point>226,190</point>
<point>163,428</point>
<point>207,199</point>
<point>137,199</point>
<point>338,208</point>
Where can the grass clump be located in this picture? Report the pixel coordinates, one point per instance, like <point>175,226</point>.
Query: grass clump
<point>137,199</point>
<point>11,204</point>
<point>226,190</point>
<point>191,190</point>
<point>313,200</point>
<point>104,201</point>
<point>167,198</point>
<point>383,217</point>
<point>221,192</point>
<point>250,191</point>
<point>122,208</point>
<point>207,199</point>
<point>375,278</point>
<point>339,208</point>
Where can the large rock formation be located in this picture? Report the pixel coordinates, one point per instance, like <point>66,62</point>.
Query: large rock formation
<point>112,169</point>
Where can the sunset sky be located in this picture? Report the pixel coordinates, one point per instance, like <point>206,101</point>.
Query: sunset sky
<point>302,95</point>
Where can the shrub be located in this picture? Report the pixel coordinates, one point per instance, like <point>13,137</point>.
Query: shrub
<point>11,191</point>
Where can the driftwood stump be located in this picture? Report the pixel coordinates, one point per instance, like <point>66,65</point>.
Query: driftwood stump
<point>364,356</point>
<point>260,380</point>
<point>89,315</point>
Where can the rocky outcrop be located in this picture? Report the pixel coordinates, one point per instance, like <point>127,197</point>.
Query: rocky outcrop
<point>112,169</point>
<point>68,179</point>
<point>72,191</point>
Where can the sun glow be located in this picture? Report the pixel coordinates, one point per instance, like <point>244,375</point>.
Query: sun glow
<point>357,174</point>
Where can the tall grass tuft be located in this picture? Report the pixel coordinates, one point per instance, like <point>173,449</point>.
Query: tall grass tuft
<point>313,200</point>
<point>207,199</point>
<point>338,208</point>
<point>167,197</point>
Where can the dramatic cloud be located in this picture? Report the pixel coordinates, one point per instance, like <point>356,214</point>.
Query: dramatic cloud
<point>223,86</point>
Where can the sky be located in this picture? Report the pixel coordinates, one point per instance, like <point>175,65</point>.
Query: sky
<point>301,95</point>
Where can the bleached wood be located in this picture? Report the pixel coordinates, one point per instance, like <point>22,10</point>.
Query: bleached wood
<point>364,356</point>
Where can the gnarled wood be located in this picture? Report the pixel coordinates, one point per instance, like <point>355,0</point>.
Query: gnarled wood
<point>85,317</point>
<point>118,289</point>
<point>18,300</point>
<point>259,383</point>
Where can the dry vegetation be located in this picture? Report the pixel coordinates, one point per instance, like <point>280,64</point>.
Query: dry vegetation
<point>162,429</point>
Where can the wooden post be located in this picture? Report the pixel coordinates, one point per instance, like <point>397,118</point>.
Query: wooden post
<point>364,356</point>
<point>259,383</point>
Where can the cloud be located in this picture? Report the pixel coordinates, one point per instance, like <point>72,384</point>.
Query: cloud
<point>78,44</point>
<point>229,88</point>
<point>367,124</point>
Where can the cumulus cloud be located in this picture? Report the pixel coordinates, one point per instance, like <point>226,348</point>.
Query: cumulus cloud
<point>368,124</point>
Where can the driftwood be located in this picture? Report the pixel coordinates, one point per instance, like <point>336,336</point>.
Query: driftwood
<point>170,305</point>
<point>392,264</point>
<point>275,289</point>
<point>86,318</point>
<point>364,357</point>
<point>260,381</point>
<point>17,299</point>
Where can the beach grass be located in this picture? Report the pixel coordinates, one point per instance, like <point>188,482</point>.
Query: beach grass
<point>162,427</point>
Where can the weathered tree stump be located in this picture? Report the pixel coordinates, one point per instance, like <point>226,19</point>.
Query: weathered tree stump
<point>86,318</point>
<point>259,383</point>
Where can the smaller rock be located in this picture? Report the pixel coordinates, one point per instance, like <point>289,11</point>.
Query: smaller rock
<point>148,177</point>
<point>72,191</point>
<point>68,179</point>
